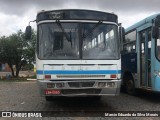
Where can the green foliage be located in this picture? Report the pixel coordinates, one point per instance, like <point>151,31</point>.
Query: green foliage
<point>28,67</point>
<point>17,50</point>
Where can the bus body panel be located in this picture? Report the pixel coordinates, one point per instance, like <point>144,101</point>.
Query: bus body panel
<point>129,62</point>
<point>151,63</point>
<point>79,71</point>
<point>81,91</point>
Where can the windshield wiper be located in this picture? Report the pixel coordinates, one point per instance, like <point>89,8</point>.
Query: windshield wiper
<point>65,34</point>
<point>91,30</point>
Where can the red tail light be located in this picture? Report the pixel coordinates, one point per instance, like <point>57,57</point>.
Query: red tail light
<point>113,76</point>
<point>47,76</point>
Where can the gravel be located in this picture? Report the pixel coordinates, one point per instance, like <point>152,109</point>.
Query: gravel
<point>24,96</point>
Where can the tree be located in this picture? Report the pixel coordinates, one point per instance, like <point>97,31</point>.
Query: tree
<point>18,51</point>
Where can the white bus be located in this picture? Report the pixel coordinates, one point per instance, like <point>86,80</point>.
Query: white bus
<point>78,53</point>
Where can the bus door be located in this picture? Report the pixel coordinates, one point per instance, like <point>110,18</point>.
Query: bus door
<point>145,58</point>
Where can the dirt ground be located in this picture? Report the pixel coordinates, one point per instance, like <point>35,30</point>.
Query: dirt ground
<point>24,96</point>
<point>21,74</point>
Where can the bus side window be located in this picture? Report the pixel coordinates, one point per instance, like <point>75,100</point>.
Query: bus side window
<point>130,42</point>
<point>133,48</point>
<point>124,48</point>
<point>129,47</point>
<point>158,49</point>
<point>159,52</point>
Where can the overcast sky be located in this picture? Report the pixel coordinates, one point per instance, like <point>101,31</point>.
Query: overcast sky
<point>15,14</point>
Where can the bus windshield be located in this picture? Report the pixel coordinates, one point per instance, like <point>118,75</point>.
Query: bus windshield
<point>77,41</point>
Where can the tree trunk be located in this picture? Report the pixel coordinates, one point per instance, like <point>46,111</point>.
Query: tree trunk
<point>17,73</point>
<point>18,68</point>
<point>10,65</point>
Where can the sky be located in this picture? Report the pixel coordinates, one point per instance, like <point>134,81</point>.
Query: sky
<point>16,14</point>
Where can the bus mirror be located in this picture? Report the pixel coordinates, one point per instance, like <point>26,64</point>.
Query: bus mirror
<point>28,32</point>
<point>155,32</point>
<point>122,36</point>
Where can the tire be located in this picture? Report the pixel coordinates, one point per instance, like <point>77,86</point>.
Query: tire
<point>49,98</point>
<point>130,86</point>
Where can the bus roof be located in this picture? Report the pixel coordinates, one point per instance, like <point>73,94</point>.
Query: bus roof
<point>142,22</point>
<point>75,10</point>
<point>76,14</point>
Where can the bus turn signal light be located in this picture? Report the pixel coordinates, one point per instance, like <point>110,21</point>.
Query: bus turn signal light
<point>47,76</point>
<point>113,76</point>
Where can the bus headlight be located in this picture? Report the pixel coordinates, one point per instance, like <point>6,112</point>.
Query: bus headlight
<point>59,85</point>
<point>111,84</point>
<point>107,84</point>
<point>55,85</point>
<point>102,84</point>
<point>50,85</point>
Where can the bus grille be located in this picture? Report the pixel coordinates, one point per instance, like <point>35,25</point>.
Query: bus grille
<point>80,76</point>
<point>81,91</point>
<point>80,84</point>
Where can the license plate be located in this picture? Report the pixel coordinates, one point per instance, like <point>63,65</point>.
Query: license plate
<point>52,92</point>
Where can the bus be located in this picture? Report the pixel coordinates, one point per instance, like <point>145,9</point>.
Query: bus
<point>141,56</point>
<point>77,53</point>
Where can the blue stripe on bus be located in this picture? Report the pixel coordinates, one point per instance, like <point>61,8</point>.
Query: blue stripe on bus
<point>78,72</point>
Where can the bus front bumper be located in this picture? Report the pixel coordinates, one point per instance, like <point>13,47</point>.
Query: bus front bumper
<point>79,87</point>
